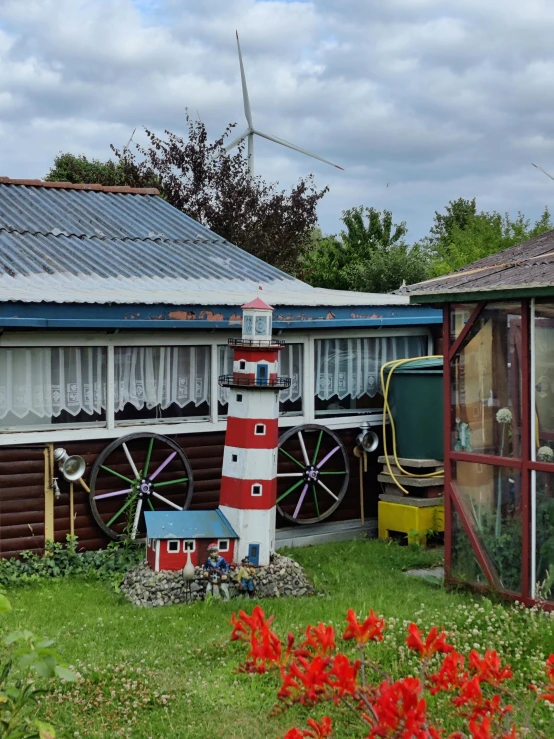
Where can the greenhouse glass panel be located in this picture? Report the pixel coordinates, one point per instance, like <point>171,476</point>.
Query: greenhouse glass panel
<point>544,537</point>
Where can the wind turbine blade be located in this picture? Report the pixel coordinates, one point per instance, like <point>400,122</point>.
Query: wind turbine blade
<point>247,111</point>
<point>277,140</point>
<point>543,171</point>
<point>237,141</point>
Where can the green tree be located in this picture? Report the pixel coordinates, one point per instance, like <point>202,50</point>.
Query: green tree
<point>370,255</point>
<point>455,243</point>
<point>212,186</point>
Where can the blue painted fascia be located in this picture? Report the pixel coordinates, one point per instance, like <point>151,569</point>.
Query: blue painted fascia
<point>116,316</point>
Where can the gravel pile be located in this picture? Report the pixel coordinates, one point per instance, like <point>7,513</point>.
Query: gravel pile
<point>282,578</point>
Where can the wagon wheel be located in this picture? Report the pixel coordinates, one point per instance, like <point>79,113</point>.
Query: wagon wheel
<point>154,474</point>
<point>312,474</point>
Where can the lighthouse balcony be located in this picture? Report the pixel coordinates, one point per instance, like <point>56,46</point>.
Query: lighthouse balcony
<point>274,383</point>
<point>257,343</point>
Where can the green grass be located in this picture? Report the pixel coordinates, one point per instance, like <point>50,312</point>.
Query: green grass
<point>169,672</point>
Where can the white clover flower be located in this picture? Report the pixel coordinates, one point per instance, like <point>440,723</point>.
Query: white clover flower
<point>504,415</point>
<point>545,454</point>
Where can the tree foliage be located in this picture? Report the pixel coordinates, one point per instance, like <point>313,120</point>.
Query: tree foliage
<point>463,235</point>
<point>370,255</point>
<point>212,186</point>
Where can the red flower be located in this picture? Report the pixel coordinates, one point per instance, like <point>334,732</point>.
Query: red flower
<point>344,674</point>
<point>483,729</point>
<point>320,730</point>
<point>266,649</point>
<point>435,642</point>
<point>400,711</point>
<point>306,681</point>
<point>489,669</point>
<point>550,668</point>
<point>320,640</point>
<point>370,630</point>
<point>451,674</point>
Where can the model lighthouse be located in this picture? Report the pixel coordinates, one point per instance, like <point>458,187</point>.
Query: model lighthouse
<point>249,480</point>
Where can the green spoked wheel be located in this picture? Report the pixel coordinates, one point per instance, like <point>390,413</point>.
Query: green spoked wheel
<point>312,474</point>
<point>137,473</point>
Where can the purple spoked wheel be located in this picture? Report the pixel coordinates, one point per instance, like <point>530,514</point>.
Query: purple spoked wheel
<point>312,474</point>
<point>137,473</point>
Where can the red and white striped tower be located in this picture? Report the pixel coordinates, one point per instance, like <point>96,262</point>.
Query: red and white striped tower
<point>249,480</point>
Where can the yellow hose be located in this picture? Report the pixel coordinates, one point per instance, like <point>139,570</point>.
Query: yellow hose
<point>394,364</point>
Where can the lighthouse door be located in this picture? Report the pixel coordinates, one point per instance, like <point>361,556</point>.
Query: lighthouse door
<point>254,554</point>
<point>261,374</point>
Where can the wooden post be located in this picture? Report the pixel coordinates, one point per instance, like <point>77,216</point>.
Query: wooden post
<point>71,513</point>
<point>48,493</point>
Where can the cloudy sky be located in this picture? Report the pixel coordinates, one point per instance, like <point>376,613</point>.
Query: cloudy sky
<point>420,101</point>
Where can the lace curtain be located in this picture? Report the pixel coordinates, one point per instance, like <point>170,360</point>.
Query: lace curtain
<point>152,376</point>
<point>46,381</point>
<point>291,364</point>
<point>352,366</point>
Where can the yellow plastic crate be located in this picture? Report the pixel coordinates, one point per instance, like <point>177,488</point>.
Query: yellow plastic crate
<point>410,520</point>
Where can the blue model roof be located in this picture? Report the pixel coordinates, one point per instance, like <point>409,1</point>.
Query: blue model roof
<point>188,525</point>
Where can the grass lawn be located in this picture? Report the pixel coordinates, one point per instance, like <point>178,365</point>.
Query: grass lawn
<point>169,672</point>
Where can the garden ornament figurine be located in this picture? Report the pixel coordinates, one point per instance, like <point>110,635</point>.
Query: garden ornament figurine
<point>216,570</point>
<point>463,444</point>
<point>245,577</point>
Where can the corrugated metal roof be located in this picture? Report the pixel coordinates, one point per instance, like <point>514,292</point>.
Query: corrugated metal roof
<point>528,265</point>
<point>188,525</point>
<point>93,246</point>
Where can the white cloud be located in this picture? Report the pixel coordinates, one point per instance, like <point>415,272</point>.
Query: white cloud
<point>420,100</point>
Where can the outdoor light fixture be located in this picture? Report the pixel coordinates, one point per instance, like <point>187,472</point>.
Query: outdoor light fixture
<point>367,440</point>
<point>72,467</point>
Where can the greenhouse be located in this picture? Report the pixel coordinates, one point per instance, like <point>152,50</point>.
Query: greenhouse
<point>498,332</point>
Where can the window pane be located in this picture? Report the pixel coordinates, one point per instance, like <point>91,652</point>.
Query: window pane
<point>459,315</point>
<point>291,364</point>
<point>347,371</point>
<point>543,340</point>
<point>486,384</point>
<point>491,499</point>
<point>159,383</point>
<point>544,548</point>
<point>45,386</point>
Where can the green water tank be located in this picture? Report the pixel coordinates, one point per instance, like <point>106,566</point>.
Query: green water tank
<point>416,403</point>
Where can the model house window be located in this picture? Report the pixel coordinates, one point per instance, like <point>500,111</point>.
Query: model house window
<point>260,429</point>
<point>256,489</point>
<point>234,457</point>
<point>189,545</point>
<point>291,364</point>
<point>52,386</point>
<point>173,546</point>
<point>347,371</point>
<point>223,545</point>
<point>157,383</point>
<point>242,364</point>
<point>239,397</point>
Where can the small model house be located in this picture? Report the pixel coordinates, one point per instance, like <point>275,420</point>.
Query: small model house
<point>174,535</point>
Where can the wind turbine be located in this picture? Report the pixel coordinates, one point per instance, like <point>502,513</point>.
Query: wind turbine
<point>251,131</point>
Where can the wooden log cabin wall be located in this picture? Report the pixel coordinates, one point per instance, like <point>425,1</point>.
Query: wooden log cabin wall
<point>92,277</point>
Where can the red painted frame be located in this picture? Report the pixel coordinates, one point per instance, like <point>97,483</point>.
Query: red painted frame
<point>452,502</point>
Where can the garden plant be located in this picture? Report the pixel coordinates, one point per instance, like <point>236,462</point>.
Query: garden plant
<point>449,695</point>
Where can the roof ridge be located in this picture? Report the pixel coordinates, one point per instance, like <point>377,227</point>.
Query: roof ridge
<point>81,186</point>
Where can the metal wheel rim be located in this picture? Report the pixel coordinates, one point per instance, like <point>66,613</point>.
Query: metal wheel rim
<point>105,453</point>
<point>340,496</point>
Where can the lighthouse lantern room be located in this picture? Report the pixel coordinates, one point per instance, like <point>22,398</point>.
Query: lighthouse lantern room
<point>249,479</point>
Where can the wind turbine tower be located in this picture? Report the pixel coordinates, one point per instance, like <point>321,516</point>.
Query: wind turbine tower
<point>251,131</point>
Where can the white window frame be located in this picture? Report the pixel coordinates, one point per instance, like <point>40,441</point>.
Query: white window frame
<point>189,541</point>
<point>242,364</point>
<point>226,548</point>
<point>257,485</point>
<point>174,551</point>
<point>262,432</point>
<point>68,433</point>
